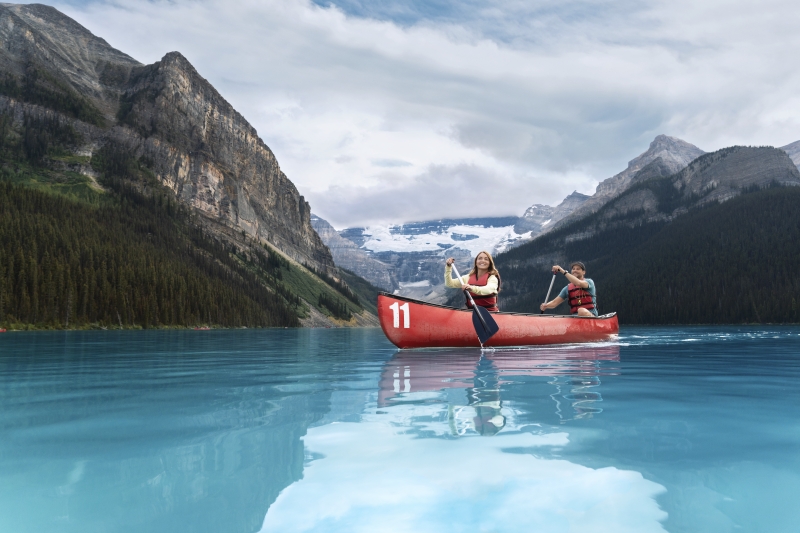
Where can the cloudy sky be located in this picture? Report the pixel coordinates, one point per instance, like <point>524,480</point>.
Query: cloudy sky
<point>402,110</point>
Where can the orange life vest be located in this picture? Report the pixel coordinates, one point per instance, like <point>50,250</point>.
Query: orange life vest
<point>489,302</point>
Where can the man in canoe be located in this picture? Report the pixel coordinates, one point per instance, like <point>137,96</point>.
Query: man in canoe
<point>483,281</point>
<point>580,293</point>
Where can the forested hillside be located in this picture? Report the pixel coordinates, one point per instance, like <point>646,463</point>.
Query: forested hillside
<point>733,262</point>
<point>74,254</point>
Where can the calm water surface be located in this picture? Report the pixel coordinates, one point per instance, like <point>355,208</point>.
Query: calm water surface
<point>666,429</point>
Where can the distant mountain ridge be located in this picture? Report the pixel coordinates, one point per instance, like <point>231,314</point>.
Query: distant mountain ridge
<point>538,217</point>
<point>347,254</point>
<point>663,183</point>
<point>412,253</point>
<point>665,156</point>
<point>658,209</point>
<point>403,244</point>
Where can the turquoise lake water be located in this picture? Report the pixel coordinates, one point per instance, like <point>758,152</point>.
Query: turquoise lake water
<point>665,429</point>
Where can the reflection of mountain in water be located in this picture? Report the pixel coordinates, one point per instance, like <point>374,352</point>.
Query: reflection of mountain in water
<point>574,373</point>
<point>403,466</point>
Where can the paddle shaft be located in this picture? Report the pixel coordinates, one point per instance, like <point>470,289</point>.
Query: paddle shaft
<point>468,294</point>
<point>548,290</point>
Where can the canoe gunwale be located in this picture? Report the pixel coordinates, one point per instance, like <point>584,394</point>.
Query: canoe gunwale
<point>508,313</point>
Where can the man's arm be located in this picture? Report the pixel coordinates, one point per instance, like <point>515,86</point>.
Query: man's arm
<point>583,284</point>
<point>552,304</point>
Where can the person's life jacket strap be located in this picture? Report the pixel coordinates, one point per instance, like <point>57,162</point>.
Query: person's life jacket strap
<point>579,298</point>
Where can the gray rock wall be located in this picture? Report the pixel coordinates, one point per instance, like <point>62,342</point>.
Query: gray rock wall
<point>194,141</point>
<point>348,255</point>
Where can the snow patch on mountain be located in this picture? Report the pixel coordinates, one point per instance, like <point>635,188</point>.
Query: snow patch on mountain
<point>473,238</point>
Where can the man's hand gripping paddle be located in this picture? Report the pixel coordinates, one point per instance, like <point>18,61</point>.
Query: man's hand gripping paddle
<point>485,326</point>
<point>548,290</point>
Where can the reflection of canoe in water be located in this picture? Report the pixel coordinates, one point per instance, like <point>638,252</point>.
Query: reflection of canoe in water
<point>436,370</point>
<point>413,324</point>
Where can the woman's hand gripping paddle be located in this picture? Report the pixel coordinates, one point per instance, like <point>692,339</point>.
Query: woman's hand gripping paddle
<point>548,290</point>
<point>482,320</point>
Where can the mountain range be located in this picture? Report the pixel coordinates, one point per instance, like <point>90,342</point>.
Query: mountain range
<point>711,243</point>
<point>407,258</point>
<point>135,195</point>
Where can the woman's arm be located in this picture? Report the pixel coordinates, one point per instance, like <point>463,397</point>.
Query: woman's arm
<point>452,282</point>
<point>486,290</point>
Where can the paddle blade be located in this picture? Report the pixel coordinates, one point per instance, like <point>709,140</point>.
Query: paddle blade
<point>484,323</point>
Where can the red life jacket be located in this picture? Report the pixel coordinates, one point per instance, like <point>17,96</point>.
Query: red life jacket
<point>489,302</point>
<point>579,298</point>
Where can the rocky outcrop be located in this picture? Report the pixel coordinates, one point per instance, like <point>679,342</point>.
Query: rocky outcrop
<point>669,156</point>
<point>167,115</point>
<point>793,150</point>
<point>538,217</point>
<point>724,173</point>
<point>348,255</point>
<point>39,36</point>
<point>213,159</point>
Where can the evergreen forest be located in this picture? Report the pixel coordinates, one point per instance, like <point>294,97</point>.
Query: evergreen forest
<point>728,263</point>
<point>122,253</point>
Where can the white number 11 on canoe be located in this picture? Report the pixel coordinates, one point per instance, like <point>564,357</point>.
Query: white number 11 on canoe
<point>396,308</point>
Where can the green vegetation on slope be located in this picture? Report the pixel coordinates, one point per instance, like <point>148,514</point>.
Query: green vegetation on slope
<point>733,262</point>
<point>75,256</point>
<point>63,264</point>
<point>39,87</point>
<point>28,151</point>
<point>367,292</point>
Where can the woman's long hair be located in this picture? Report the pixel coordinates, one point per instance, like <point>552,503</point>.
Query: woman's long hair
<point>492,270</point>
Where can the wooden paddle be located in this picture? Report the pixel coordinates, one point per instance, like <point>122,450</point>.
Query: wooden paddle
<point>482,320</point>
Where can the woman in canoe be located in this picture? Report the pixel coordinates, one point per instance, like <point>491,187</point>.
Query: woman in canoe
<point>483,281</point>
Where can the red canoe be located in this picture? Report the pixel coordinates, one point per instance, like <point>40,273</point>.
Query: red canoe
<point>410,323</point>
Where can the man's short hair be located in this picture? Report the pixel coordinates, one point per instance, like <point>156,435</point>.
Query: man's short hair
<point>583,267</point>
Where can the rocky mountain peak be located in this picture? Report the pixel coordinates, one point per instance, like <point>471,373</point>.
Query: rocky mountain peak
<point>674,153</point>
<point>725,173</point>
<point>39,37</point>
<point>572,201</point>
<point>673,148</point>
<point>539,217</point>
<point>665,156</point>
<point>193,140</point>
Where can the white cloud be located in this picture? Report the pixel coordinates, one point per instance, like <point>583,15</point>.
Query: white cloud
<point>539,98</point>
<point>373,477</point>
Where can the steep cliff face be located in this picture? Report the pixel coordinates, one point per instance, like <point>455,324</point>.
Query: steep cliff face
<point>724,173</point>
<point>213,159</point>
<point>166,114</point>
